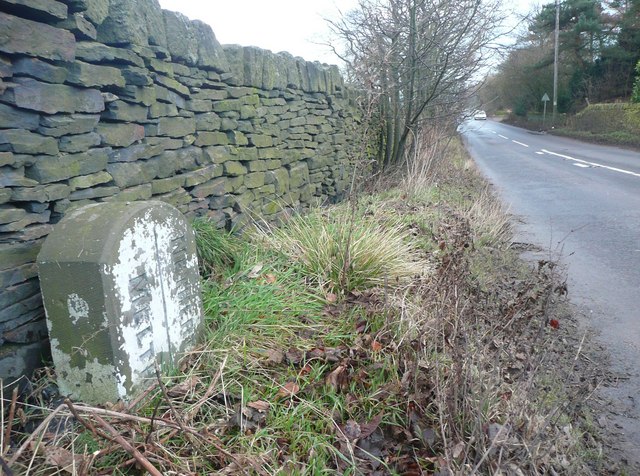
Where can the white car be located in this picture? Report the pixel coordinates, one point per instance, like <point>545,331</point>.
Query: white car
<point>480,116</point>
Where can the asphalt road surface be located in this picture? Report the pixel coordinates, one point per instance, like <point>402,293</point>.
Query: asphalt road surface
<point>580,202</point>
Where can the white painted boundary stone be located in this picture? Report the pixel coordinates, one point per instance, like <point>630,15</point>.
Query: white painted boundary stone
<point>121,291</point>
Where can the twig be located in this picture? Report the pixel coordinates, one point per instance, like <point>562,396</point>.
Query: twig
<point>142,396</point>
<point>140,458</point>
<point>41,427</point>
<point>6,470</point>
<point>87,424</point>
<point>12,412</point>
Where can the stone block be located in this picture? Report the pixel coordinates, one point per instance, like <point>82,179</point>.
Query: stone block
<point>136,22</point>
<point>298,175</point>
<point>254,180</point>
<point>216,187</point>
<point>176,126</point>
<point>120,135</point>
<point>19,292</point>
<point>124,112</point>
<point>14,177</point>
<point>93,52</point>
<point>94,10</point>
<point>14,118</point>
<point>260,140</point>
<point>27,220</point>
<point>167,184</point>
<point>128,174</point>
<point>5,195</point>
<point>82,28</point>
<point>40,193</point>
<point>93,193</point>
<point>233,168</point>
<point>145,95</point>
<point>211,138</point>
<point>79,143</point>
<point>211,95</point>
<point>132,194</point>
<point>18,274</point>
<point>88,181</point>
<point>10,214</point>
<point>136,76</point>
<point>166,95</point>
<point>178,198</point>
<point>22,141</point>
<point>210,52</point>
<point>92,75</point>
<point>181,38</point>
<point>35,330</point>
<point>61,167</point>
<point>237,138</point>
<point>198,105</point>
<point>53,98</point>
<point>14,255</point>
<point>63,124</point>
<point>130,298</point>
<point>44,10</point>
<point>29,233</point>
<point>171,84</point>
<point>161,109</point>
<point>39,69</point>
<point>20,36</point>
<point>202,175</point>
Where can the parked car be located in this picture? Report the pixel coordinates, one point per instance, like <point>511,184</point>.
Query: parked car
<point>480,116</point>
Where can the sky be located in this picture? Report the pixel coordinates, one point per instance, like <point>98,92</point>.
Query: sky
<point>296,26</point>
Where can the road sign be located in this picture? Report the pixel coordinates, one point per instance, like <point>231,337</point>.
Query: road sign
<point>545,100</point>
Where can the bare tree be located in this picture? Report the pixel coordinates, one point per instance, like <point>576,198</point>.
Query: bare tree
<point>419,59</point>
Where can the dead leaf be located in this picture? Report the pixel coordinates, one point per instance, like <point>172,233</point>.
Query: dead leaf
<point>255,271</point>
<point>275,356</point>
<point>337,377</point>
<point>289,389</point>
<point>259,405</point>
<point>352,430</point>
<point>184,388</point>
<point>554,323</point>
<point>270,278</point>
<point>369,428</point>
<point>63,459</point>
<point>332,298</point>
<point>457,450</point>
<point>376,346</point>
<point>294,356</point>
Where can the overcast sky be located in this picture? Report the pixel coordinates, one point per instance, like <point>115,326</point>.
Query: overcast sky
<point>296,26</point>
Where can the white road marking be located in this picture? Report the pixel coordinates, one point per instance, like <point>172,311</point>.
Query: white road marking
<point>582,165</point>
<point>500,135</point>
<point>519,143</point>
<point>493,132</point>
<point>540,153</point>
<point>593,164</point>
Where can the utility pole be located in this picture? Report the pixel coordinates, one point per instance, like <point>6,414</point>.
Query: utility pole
<point>555,62</point>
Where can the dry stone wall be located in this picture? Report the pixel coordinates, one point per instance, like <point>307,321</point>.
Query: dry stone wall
<point>104,100</point>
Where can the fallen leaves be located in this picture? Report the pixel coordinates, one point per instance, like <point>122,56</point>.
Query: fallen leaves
<point>554,323</point>
<point>288,390</point>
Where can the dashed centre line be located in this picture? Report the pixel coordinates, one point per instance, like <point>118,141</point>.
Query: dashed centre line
<point>504,137</point>
<point>592,164</point>
<point>540,153</point>
<point>519,143</point>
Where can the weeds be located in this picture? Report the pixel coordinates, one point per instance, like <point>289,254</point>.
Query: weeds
<point>426,348</point>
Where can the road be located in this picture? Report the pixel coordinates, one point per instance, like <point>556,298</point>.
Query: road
<point>582,201</point>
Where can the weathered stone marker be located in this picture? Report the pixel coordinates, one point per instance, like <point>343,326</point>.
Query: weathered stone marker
<point>121,291</point>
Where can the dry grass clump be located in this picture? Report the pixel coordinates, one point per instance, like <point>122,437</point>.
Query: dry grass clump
<point>342,252</point>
